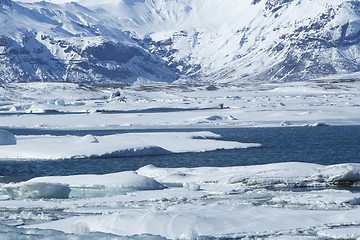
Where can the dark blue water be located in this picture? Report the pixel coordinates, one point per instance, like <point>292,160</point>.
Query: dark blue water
<point>323,145</point>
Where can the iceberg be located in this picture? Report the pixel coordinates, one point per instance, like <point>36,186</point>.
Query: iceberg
<point>128,179</point>
<point>38,190</point>
<point>279,175</point>
<point>60,102</point>
<point>88,139</point>
<point>343,174</point>
<point>7,138</point>
<point>191,186</point>
<point>82,186</point>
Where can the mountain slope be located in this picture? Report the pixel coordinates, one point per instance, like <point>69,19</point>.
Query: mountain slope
<point>202,40</point>
<point>48,42</point>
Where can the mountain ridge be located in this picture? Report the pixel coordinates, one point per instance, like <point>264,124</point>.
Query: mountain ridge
<point>224,42</point>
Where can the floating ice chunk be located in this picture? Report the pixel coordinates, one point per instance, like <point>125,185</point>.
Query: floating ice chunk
<point>82,186</point>
<point>191,234</point>
<point>212,88</point>
<point>103,185</point>
<point>14,109</point>
<point>286,123</point>
<point>319,124</point>
<point>122,99</point>
<point>214,118</point>
<point>41,125</point>
<point>342,173</point>
<point>38,190</point>
<point>140,151</point>
<point>92,111</point>
<point>218,118</point>
<point>115,94</point>
<point>353,201</point>
<point>34,110</point>
<point>88,139</point>
<point>78,103</point>
<point>191,186</point>
<point>230,117</point>
<point>60,102</point>
<point>7,138</point>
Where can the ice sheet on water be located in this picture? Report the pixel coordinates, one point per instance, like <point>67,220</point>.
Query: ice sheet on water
<point>118,145</point>
<point>191,186</point>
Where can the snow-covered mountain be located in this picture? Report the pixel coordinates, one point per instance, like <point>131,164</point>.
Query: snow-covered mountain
<point>167,40</point>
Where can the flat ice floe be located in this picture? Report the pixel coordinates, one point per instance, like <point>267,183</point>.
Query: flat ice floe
<point>129,144</point>
<point>262,201</point>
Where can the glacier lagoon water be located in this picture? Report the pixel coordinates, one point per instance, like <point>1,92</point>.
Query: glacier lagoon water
<point>322,145</point>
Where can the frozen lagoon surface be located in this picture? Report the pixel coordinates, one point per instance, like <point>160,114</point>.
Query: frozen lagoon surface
<point>158,105</point>
<point>171,162</point>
